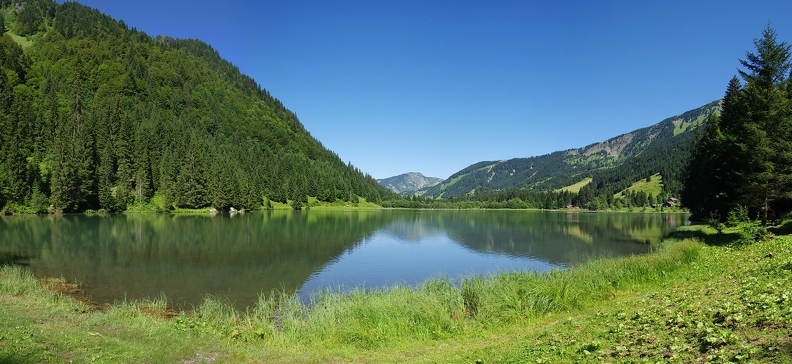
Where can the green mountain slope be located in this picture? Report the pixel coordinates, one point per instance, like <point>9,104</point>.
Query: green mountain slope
<point>96,115</point>
<point>613,164</point>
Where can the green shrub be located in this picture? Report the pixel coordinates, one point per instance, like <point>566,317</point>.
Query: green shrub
<point>714,221</point>
<point>738,216</point>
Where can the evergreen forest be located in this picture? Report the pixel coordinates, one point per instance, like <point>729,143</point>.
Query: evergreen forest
<point>742,160</point>
<point>95,115</point>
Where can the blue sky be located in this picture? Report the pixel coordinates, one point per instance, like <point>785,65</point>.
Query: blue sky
<point>434,86</point>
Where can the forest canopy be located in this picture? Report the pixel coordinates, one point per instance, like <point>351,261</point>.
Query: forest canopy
<point>94,115</point>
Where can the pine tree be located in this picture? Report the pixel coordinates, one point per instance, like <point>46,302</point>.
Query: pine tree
<point>766,138</point>
<point>745,157</point>
<point>73,175</point>
<point>704,192</point>
<point>113,115</point>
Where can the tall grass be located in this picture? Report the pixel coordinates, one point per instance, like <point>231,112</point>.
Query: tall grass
<point>17,281</point>
<point>440,307</point>
<point>436,309</point>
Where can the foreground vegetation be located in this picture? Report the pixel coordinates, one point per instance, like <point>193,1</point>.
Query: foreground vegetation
<point>701,296</point>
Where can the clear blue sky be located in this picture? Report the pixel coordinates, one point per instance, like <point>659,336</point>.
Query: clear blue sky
<point>434,86</point>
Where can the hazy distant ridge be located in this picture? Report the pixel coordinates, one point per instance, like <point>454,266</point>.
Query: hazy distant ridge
<point>409,182</point>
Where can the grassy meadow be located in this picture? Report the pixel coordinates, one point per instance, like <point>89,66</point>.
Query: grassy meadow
<point>577,186</point>
<point>22,41</point>
<point>654,186</point>
<point>700,297</point>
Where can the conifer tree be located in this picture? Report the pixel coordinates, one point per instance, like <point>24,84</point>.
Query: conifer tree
<point>744,158</point>
<point>766,139</point>
<point>705,172</point>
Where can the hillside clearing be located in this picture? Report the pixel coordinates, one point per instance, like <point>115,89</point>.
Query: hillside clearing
<point>22,41</point>
<point>654,186</point>
<point>576,187</point>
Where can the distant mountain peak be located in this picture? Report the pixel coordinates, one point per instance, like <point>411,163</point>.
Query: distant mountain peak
<point>409,183</point>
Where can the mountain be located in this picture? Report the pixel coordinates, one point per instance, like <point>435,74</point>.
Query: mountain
<point>613,164</point>
<point>95,115</point>
<point>409,183</point>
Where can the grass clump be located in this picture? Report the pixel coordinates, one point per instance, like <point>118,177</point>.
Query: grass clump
<point>17,281</point>
<point>364,319</point>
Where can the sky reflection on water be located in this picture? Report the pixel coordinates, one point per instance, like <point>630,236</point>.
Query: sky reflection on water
<point>187,258</point>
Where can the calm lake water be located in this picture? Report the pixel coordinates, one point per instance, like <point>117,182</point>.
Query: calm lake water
<point>238,257</point>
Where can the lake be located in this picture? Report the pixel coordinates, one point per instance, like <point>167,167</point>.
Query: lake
<point>237,257</point>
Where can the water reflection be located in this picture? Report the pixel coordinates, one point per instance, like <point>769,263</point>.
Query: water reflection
<point>239,257</point>
<point>185,257</point>
<point>417,245</point>
<point>563,238</point>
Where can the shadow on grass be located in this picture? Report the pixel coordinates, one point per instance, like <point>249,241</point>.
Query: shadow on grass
<point>13,359</point>
<point>785,228</point>
<point>721,239</point>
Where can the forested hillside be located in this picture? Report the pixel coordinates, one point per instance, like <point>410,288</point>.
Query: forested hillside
<point>95,115</point>
<point>614,164</point>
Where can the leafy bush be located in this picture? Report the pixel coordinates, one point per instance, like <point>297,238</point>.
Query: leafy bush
<point>752,232</point>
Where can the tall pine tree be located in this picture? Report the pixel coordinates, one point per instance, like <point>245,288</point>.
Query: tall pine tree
<point>746,156</point>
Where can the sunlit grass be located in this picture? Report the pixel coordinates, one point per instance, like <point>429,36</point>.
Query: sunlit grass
<point>442,308</point>
<point>654,186</point>
<point>17,281</point>
<point>22,41</point>
<point>684,302</point>
<point>577,186</point>
<point>437,309</point>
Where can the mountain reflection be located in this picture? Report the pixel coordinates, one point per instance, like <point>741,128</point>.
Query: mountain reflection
<point>187,257</point>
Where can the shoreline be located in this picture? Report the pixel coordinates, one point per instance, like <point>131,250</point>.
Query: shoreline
<point>209,211</point>
<point>71,289</point>
<point>596,312</point>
